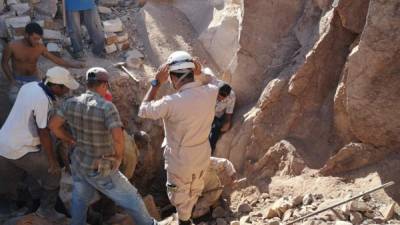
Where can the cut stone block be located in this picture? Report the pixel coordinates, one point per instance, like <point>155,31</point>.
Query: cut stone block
<point>113,26</point>
<point>52,34</point>
<point>123,37</point>
<point>21,8</point>
<point>54,48</point>
<point>104,10</point>
<point>123,46</point>
<point>16,22</point>
<point>111,38</point>
<point>110,48</point>
<point>109,3</point>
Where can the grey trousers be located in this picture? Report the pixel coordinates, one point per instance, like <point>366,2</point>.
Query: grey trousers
<point>34,164</point>
<point>91,20</point>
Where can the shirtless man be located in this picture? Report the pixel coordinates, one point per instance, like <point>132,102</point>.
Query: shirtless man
<point>24,55</point>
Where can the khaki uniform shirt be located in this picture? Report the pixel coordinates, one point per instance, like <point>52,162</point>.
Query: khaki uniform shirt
<point>187,116</point>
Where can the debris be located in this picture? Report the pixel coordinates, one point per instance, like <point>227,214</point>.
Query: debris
<point>244,220</point>
<point>388,212</point>
<point>17,22</point>
<point>111,38</point>
<point>104,10</point>
<point>297,200</point>
<point>110,48</point>
<point>359,206</point>
<point>356,218</point>
<point>114,25</point>
<point>308,199</point>
<point>123,37</point>
<point>218,212</point>
<point>244,208</point>
<point>52,35</point>
<point>123,46</point>
<point>221,221</point>
<point>278,208</point>
<point>21,8</point>
<point>342,223</point>
<point>54,48</point>
<point>109,3</point>
<point>235,222</point>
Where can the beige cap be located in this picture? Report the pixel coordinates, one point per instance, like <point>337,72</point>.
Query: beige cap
<point>59,75</point>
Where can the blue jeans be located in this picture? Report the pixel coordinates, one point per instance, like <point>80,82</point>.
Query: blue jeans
<point>91,20</point>
<point>115,186</point>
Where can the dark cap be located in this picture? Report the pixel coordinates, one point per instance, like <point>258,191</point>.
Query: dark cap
<point>97,74</point>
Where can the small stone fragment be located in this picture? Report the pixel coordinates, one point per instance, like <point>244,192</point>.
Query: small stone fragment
<point>114,25</point>
<point>356,218</point>
<point>244,208</point>
<point>388,212</point>
<point>308,199</point>
<point>218,212</point>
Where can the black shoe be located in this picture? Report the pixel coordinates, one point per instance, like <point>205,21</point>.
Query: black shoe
<point>185,222</point>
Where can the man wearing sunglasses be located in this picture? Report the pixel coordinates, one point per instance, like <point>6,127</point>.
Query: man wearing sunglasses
<point>187,117</point>
<point>25,142</point>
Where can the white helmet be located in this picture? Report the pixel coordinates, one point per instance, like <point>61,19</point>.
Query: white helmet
<point>180,60</point>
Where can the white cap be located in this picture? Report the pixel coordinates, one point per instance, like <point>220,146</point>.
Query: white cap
<point>59,75</point>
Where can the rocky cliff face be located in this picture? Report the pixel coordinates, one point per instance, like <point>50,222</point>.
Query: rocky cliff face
<point>321,75</point>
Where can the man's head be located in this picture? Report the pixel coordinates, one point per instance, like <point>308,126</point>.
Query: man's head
<point>223,92</point>
<point>60,81</point>
<point>97,80</point>
<point>181,68</point>
<point>33,34</point>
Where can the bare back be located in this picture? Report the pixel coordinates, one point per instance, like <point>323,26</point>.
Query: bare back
<point>24,58</point>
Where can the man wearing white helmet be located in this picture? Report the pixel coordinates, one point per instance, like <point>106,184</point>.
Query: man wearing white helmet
<point>25,142</point>
<point>98,140</point>
<point>187,117</point>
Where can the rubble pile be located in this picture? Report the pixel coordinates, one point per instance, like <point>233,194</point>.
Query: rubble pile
<point>15,15</point>
<point>249,206</point>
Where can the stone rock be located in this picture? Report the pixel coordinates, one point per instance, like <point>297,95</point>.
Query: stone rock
<point>273,222</point>
<point>46,9</point>
<point>21,8</point>
<point>244,208</point>
<point>235,222</point>
<point>244,220</point>
<point>17,22</point>
<point>111,38</point>
<point>110,48</point>
<point>113,26</point>
<point>277,209</point>
<point>218,212</point>
<point>388,211</point>
<point>123,46</point>
<point>353,156</point>
<point>315,222</point>
<point>109,3</point>
<point>104,10</point>
<point>53,48</point>
<point>280,157</point>
<point>221,221</point>
<point>123,37</point>
<point>358,206</point>
<point>287,215</point>
<point>308,199</point>
<point>342,223</point>
<point>356,218</point>
<point>52,34</point>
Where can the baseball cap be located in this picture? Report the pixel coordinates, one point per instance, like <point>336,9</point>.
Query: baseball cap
<point>97,74</point>
<point>60,75</point>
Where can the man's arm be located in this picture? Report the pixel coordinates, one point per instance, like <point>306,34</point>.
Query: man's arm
<point>227,122</point>
<point>47,145</point>
<point>7,54</point>
<point>60,61</point>
<point>56,125</point>
<point>155,109</point>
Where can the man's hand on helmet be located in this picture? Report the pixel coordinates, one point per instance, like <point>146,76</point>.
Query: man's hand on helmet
<point>162,73</point>
<point>197,67</point>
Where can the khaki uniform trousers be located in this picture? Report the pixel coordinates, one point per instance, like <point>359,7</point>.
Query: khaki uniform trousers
<point>184,190</point>
<point>211,193</point>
